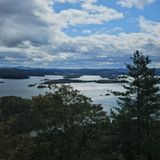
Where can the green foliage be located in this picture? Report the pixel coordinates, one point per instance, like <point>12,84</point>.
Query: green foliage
<point>63,125</point>
<point>14,127</point>
<point>138,115</point>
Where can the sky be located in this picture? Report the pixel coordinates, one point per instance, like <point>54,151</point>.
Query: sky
<point>78,33</point>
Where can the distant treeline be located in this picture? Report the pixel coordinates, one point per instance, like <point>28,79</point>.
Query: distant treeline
<point>19,73</point>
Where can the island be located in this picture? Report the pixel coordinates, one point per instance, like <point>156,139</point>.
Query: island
<point>2,82</point>
<point>63,81</point>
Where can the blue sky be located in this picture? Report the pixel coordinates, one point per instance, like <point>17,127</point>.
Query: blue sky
<point>78,33</point>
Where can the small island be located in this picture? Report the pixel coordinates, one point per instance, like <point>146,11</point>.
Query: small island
<point>71,76</point>
<point>2,82</point>
<point>40,86</point>
<point>32,85</point>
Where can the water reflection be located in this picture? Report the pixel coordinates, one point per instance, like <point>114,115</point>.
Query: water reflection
<point>94,90</point>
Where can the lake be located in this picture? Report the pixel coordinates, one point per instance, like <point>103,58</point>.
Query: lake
<point>96,91</point>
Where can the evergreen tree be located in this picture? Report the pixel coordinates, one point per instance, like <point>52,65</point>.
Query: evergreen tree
<point>138,113</point>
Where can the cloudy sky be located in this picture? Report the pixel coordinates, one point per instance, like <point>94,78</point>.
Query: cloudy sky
<point>78,33</point>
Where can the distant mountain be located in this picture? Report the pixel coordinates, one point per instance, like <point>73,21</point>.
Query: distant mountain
<point>25,72</point>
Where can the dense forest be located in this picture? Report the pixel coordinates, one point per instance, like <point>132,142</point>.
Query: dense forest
<point>66,125</point>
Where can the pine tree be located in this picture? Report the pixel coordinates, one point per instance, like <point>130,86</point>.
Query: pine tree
<point>138,112</point>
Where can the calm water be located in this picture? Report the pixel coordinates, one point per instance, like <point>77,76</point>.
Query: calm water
<point>94,90</point>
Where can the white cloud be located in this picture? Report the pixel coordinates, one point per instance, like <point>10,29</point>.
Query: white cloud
<point>32,34</point>
<point>36,21</point>
<point>75,1</point>
<point>65,1</point>
<point>135,3</point>
<point>95,45</point>
<point>87,31</point>
<point>89,14</point>
<point>149,26</point>
<point>102,12</point>
<point>20,21</point>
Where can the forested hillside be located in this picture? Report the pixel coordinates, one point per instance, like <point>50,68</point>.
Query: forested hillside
<point>66,125</point>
